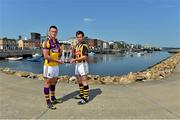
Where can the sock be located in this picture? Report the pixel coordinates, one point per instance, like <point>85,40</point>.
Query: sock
<point>81,88</point>
<point>52,89</point>
<point>86,92</point>
<point>46,93</point>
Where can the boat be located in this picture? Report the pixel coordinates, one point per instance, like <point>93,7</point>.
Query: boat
<point>15,58</point>
<point>140,53</point>
<point>131,54</point>
<point>149,51</point>
<point>36,55</point>
<point>91,53</point>
<point>35,59</point>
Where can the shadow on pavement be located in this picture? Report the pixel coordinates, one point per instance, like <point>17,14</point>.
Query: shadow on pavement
<point>92,94</point>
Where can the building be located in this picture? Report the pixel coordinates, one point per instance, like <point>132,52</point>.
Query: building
<point>35,36</point>
<point>64,42</point>
<point>94,44</point>
<point>33,43</point>
<point>8,44</point>
<point>19,37</point>
<point>113,45</point>
<point>148,46</point>
<point>20,44</point>
<point>72,41</point>
<point>120,45</point>
<point>29,44</point>
<point>99,46</point>
<point>105,45</point>
<point>65,45</point>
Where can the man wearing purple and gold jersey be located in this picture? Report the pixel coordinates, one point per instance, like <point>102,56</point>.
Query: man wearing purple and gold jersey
<point>51,51</point>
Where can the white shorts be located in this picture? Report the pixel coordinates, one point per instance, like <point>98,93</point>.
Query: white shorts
<point>81,69</point>
<point>51,71</point>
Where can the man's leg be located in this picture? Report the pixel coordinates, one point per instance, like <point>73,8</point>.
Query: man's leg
<point>52,89</point>
<point>81,88</point>
<point>85,87</point>
<point>47,84</point>
<point>85,90</point>
<point>79,96</point>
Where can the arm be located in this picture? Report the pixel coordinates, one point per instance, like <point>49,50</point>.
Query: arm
<point>85,55</point>
<point>47,57</point>
<point>46,53</point>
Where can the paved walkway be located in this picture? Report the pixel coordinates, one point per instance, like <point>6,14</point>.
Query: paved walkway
<point>23,98</point>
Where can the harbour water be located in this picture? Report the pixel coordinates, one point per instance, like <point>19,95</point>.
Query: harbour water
<point>99,64</point>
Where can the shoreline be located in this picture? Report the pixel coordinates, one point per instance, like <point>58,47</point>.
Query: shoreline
<point>160,70</point>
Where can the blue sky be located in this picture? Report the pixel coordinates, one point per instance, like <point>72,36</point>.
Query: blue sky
<point>155,22</point>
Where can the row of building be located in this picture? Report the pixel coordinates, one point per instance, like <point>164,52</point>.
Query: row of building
<point>93,44</point>
<point>35,42</point>
<point>13,44</point>
<point>99,45</point>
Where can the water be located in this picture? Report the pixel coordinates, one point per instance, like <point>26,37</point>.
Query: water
<point>98,64</point>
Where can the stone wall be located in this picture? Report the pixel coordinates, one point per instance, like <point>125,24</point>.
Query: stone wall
<point>159,71</point>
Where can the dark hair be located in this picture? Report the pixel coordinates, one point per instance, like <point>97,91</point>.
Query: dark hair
<point>52,26</point>
<point>80,32</point>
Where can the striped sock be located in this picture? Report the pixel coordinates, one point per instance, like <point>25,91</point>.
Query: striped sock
<point>81,89</point>
<point>46,93</point>
<point>86,92</point>
<point>52,89</point>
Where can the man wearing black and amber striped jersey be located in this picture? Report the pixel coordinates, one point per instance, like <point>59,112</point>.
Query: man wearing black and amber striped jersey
<point>81,68</point>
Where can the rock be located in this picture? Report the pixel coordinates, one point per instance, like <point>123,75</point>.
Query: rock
<point>132,76</point>
<point>11,72</point>
<point>72,79</point>
<point>124,80</point>
<point>8,71</point>
<point>40,77</point>
<point>32,75</point>
<point>94,82</point>
<point>164,73</point>
<point>94,77</point>
<point>108,80</point>
<point>22,74</point>
<point>1,69</point>
<point>148,75</point>
<point>141,76</point>
<point>89,77</point>
<point>155,75</point>
<point>102,80</point>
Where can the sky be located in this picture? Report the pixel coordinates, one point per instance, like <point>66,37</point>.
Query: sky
<point>154,22</point>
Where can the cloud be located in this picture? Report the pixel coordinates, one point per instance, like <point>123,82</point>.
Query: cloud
<point>87,20</point>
